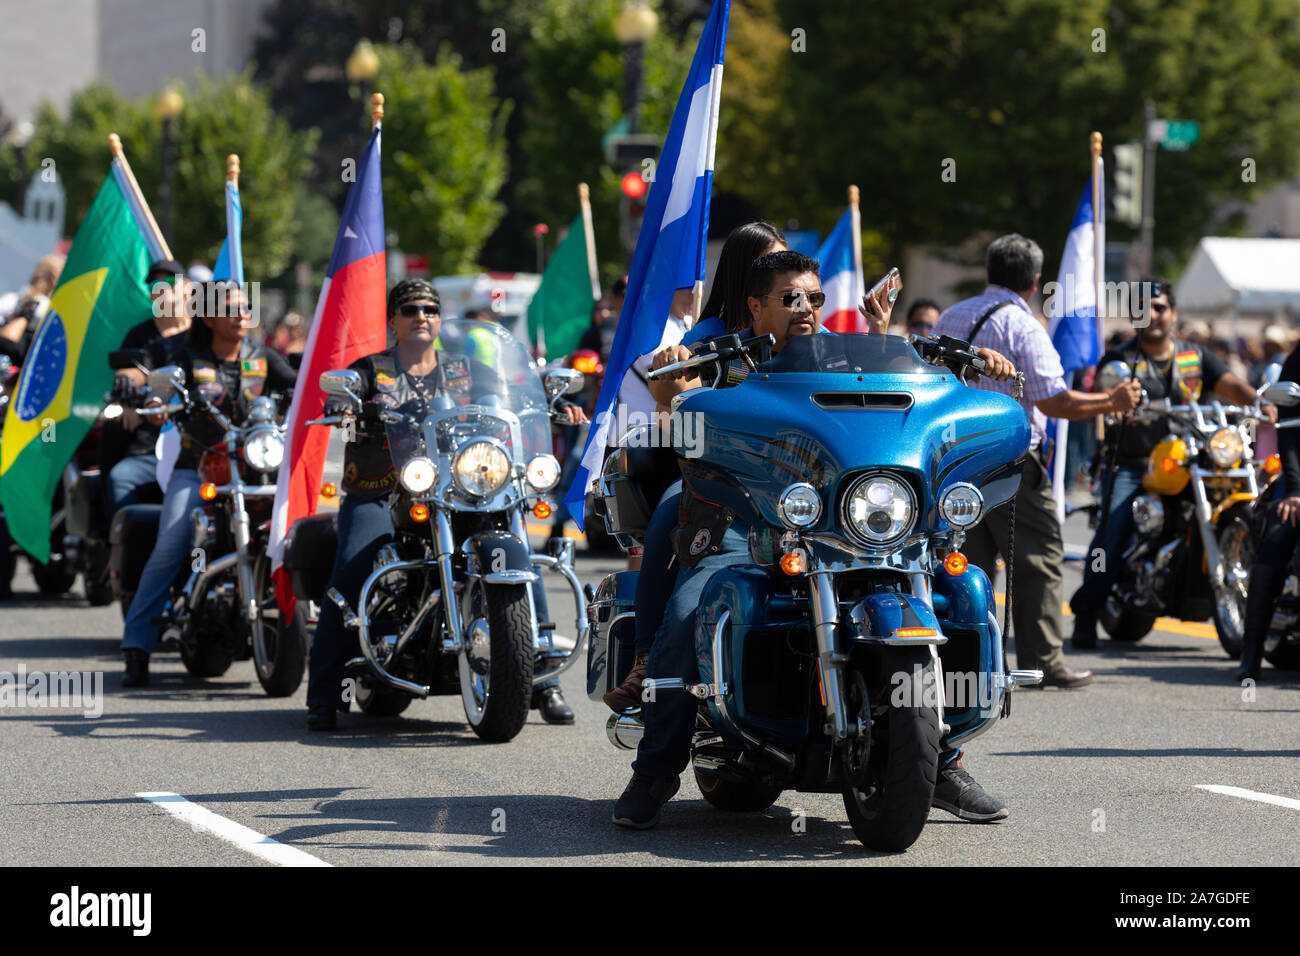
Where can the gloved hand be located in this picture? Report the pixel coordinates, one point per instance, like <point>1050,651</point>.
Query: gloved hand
<point>125,391</point>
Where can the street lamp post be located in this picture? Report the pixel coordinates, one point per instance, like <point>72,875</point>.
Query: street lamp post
<point>169,107</point>
<point>362,66</point>
<point>633,27</point>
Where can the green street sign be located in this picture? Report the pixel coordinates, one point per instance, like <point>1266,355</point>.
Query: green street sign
<point>1176,135</point>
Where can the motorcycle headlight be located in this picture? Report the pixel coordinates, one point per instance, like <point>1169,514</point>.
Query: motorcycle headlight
<point>962,505</point>
<point>543,472</point>
<point>879,509</point>
<point>264,448</point>
<point>1226,447</point>
<point>1148,514</point>
<point>418,475</point>
<point>800,506</point>
<point>481,467</point>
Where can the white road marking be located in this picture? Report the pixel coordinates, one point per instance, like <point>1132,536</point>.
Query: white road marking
<point>241,836</point>
<point>1250,795</point>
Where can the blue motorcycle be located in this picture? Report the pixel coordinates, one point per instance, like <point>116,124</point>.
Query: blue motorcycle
<point>856,642</point>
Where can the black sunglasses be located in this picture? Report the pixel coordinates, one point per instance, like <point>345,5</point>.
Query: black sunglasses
<point>795,297</point>
<point>412,309</point>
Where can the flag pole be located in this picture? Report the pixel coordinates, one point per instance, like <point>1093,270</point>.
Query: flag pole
<point>376,110</point>
<point>1098,263</point>
<point>119,157</point>
<point>855,218</point>
<point>584,201</point>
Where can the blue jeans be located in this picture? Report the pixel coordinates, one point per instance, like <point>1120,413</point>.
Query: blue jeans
<point>1097,583</point>
<point>364,528</point>
<point>175,535</point>
<point>128,478</point>
<point>665,747</point>
<point>654,582</point>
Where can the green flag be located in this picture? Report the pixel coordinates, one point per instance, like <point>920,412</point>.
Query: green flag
<point>561,306</point>
<point>101,294</point>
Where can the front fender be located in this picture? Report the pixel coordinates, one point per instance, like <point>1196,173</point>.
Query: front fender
<point>502,558</point>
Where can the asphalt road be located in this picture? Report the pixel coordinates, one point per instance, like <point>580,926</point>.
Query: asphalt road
<point>1112,774</point>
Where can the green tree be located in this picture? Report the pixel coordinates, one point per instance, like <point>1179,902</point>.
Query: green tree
<point>444,156</point>
<point>219,118</point>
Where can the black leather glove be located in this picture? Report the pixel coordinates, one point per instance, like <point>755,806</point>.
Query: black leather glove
<point>337,405</point>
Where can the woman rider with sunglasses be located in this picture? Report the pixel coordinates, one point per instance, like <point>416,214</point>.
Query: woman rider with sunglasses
<point>415,367</point>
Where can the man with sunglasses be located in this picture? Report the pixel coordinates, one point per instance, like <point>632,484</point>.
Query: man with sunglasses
<point>1165,367</point>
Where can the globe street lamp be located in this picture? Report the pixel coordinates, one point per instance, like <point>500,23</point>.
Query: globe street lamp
<point>633,27</point>
<point>169,106</point>
<point>362,66</point>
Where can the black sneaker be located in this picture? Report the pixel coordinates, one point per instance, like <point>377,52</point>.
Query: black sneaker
<point>137,667</point>
<point>644,797</point>
<point>959,794</point>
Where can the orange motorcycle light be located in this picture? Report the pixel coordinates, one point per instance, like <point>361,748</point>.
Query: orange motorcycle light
<point>955,564</point>
<point>792,563</point>
<point>419,513</point>
<point>1169,464</point>
<point>207,491</point>
<point>329,489</point>
<point>1273,464</point>
<point>915,632</point>
<point>541,510</point>
<point>586,362</point>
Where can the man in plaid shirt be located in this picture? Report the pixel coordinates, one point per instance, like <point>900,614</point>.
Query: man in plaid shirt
<point>999,318</point>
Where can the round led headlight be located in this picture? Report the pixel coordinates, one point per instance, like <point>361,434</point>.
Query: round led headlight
<point>481,467</point>
<point>418,475</point>
<point>1226,447</point>
<point>543,472</point>
<point>799,506</point>
<point>879,509</point>
<point>962,505</point>
<point>264,448</point>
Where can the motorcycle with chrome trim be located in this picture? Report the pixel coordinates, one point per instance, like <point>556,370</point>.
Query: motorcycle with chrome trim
<point>222,606</point>
<point>449,607</point>
<point>1192,546</point>
<point>856,641</point>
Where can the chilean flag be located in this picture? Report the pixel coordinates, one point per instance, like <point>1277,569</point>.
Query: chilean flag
<point>349,323</point>
<point>841,262</point>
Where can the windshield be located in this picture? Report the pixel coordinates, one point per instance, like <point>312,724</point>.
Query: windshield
<point>483,367</point>
<point>852,352</point>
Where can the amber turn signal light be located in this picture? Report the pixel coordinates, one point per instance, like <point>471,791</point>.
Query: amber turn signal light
<point>792,563</point>
<point>329,489</point>
<point>420,513</point>
<point>207,491</point>
<point>915,632</point>
<point>1273,464</point>
<point>1168,464</point>
<point>955,563</point>
<point>541,510</point>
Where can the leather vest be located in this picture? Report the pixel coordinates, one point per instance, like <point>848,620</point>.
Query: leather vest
<point>202,431</point>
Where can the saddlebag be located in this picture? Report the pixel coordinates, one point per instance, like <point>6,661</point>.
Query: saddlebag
<point>611,645</point>
<point>309,554</point>
<point>634,478</point>
<point>131,539</point>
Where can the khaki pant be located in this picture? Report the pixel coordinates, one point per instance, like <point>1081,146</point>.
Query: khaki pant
<point>1039,555</point>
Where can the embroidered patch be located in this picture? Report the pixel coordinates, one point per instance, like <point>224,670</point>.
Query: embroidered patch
<point>455,373</point>
<point>254,368</point>
<point>385,382</point>
<point>700,541</point>
<point>204,372</point>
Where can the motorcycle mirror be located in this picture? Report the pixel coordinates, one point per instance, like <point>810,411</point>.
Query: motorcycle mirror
<point>166,379</point>
<point>1112,374</point>
<point>1283,394</point>
<point>125,358</point>
<point>342,383</point>
<point>563,381</point>
<point>1271,375</point>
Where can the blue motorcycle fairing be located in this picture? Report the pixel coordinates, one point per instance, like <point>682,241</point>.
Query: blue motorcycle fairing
<point>971,661</point>
<point>888,611</point>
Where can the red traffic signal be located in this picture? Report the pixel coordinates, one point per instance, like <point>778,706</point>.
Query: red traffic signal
<point>634,187</point>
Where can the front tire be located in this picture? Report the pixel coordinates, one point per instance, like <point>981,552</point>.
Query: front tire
<point>496,665</point>
<point>1237,551</point>
<point>902,764</point>
<point>279,651</point>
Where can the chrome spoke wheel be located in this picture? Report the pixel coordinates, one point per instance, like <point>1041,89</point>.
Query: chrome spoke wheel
<point>475,659</point>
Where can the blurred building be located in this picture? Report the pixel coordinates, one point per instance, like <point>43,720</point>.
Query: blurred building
<point>51,50</point>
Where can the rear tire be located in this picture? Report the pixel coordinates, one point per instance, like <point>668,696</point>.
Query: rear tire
<point>205,660</point>
<point>735,796</point>
<point>381,701</point>
<point>1125,625</point>
<point>1285,656</point>
<point>497,702</point>
<point>903,762</point>
<point>1237,548</point>
<point>52,580</point>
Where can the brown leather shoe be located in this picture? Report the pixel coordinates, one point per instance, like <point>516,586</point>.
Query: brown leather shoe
<point>628,693</point>
<point>1065,676</point>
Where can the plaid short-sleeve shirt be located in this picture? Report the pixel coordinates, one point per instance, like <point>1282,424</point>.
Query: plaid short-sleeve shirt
<point>1013,331</point>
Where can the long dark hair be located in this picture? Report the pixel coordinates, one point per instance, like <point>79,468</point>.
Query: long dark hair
<point>199,336</point>
<point>744,244</point>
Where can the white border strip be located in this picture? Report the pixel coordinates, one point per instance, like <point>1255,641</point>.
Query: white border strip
<point>241,836</point>
<point>1250,795</point>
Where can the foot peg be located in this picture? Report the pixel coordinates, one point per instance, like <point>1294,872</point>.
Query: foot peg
<point>675,684</point>
<point>1024,679</point>
<point>350,620</point>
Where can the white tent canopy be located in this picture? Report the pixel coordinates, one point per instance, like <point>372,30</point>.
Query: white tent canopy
<point>1242,276</point>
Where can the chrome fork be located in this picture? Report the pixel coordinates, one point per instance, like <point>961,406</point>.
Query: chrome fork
<point>830,663</point>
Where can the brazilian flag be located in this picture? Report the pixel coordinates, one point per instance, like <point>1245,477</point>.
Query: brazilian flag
<point>101,294</point>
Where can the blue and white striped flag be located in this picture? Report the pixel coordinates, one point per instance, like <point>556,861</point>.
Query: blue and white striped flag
<point>1073,314</point>
<point>230,261</point>
<point>670,247</point>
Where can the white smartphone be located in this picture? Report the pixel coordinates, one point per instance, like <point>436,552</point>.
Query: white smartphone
<point>897,278</point>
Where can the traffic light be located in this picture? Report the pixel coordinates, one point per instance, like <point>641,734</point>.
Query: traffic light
<point>1126,197</point>
<point>631,209</point>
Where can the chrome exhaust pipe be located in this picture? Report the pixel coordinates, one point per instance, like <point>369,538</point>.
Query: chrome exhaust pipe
<point>625,730</point>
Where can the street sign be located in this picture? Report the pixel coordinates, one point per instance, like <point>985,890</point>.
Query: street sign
<point>1176,135</point>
